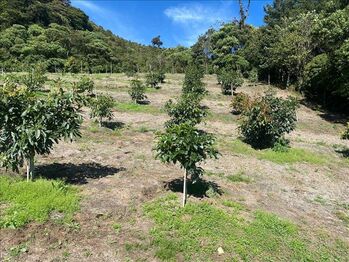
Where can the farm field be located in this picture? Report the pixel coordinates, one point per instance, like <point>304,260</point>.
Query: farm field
<point>258,205</point>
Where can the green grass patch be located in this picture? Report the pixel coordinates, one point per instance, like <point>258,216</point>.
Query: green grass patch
<point>239,177</point>
<point>292,155</point>
<point>24,202</point>
<point>196,231</point>
<point>133,107</point>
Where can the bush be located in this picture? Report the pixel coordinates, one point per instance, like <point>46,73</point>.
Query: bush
<point>345,134</point>
<point>240,103</point>
<point>85,85</point>
<point>187,109</point>
<point>230,80</point>
<point>101,107</point>
<point>268,120</point>
<point>137,91</point>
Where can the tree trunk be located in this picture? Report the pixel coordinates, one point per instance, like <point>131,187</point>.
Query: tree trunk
<point>30,168</point>
<point>184,189</point>
<point>100,121</point>
<point>268,79</point>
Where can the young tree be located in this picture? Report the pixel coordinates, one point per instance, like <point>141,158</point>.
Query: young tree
<point>101,107</point>
<point>268,120</point>
<point>192,81</point>
<point>188,146</point>
<point>137,91</point>
<point>230,81</point>
<point>31,125</point>
<point>35,79</point>
<point>152,80</point>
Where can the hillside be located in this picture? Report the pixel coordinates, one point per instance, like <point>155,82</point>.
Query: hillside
<point>62,37</point>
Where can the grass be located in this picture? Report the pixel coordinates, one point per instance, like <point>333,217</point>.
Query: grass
<point>34,201</point>
<point>293,155</point>
<point>196,231</point>
<point>239,177</point>
<point>133,107</point>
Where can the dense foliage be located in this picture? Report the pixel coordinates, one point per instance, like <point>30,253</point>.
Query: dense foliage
<point>268,120</point>
<point>62,38</point>
<point>303,43</point>
<point>186,109</point>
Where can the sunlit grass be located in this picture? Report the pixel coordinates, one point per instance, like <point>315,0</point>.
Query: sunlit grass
<point>292,155</point>
<point>196,231</point>
<point>133,107</point>
<point>34,201</point>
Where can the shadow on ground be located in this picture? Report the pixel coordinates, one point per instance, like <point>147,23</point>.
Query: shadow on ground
<point>114,125</point>
<point>344,151</point>
<point>76,173</point>
<point>197,189</point>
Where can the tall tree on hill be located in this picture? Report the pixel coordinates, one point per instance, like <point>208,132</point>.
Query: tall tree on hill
<point>156,41</point>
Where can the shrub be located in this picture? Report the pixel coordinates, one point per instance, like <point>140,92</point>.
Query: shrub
<point>137,91</point>
<point>268,120</point>
<point>230,80</point>
<point>345,134</point>
<point>101,107</point>
<point>187,109</point>
<point>240,103</point>
<point>161,76</point>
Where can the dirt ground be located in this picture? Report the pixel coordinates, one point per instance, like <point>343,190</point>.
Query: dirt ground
<point>116,174</point>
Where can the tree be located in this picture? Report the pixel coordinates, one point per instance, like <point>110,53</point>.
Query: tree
<point>243,13</point>
<point>137,91</point>
<point>153,79</point>
<point>156,41</point>
<point>188,146</point>
<point>31,125</point>
<point>230,81</point>
<point>101,107</point>
<point>192,81</point>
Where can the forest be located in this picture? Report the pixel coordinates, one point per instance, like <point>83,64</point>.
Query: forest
<point>235,148</point>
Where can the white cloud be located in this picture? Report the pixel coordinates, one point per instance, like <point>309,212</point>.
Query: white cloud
<point>89,5</point>
<point>195,19</point>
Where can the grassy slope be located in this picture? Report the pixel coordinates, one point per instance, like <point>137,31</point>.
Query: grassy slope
<point>198,230</point>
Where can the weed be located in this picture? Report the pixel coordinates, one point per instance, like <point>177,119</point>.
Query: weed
<point>117,227</point>
<point>18,250</point>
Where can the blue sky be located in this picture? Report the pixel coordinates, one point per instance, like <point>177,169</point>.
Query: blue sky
<point>177,22</point>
